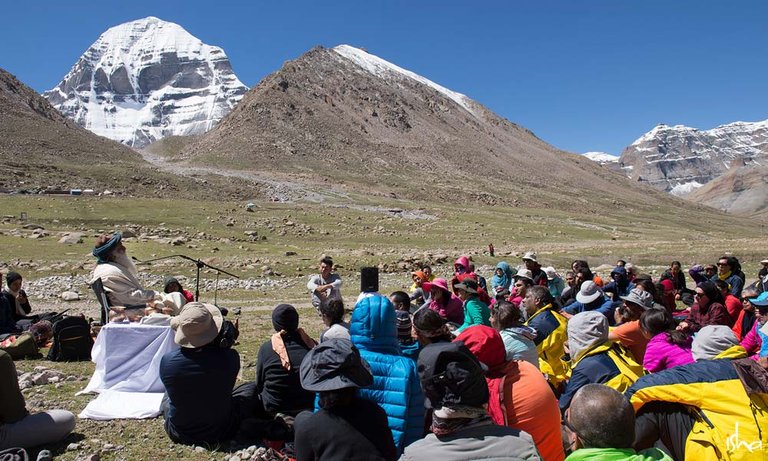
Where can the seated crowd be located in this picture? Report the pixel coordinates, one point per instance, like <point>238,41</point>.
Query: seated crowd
<point>526,365</point>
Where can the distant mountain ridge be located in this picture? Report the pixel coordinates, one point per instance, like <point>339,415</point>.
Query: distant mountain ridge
<point>679,159</point>
<point>145,80</point>
<point>345,118</point>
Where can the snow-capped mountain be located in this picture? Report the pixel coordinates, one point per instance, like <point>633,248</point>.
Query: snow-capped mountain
<point>679,159</point>
<point>145,80</point>
<point>601,157</point>
<point>383,69</point>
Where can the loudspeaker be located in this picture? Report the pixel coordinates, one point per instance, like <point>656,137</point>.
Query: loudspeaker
<point>369,279</point>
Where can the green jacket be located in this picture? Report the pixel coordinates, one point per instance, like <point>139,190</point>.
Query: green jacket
<point>475,313</point>
<point>617,454</point>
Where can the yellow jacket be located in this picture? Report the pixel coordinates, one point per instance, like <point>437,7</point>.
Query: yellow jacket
<point>731,414</point>
<point>551,335</point>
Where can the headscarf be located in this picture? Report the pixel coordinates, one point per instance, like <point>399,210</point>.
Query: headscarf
<point>285,320</point>
<point>420,274</point>
<point>505,279</point>
<point>101,252</point>
<point>11,277</point>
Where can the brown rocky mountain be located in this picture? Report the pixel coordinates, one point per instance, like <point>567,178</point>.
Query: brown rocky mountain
<point>41,149</point>
<point>344,117</point>
<point>742,190</point>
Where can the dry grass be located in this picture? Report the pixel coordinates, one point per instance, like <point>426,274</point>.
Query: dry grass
<point>357,231</point>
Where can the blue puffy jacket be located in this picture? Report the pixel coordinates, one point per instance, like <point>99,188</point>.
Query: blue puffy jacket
<point>396,386</point>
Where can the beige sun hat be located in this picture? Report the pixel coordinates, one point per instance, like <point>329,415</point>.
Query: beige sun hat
<point>197,325</point>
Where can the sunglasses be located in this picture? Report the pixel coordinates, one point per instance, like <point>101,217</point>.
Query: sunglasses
<point>722,264</point>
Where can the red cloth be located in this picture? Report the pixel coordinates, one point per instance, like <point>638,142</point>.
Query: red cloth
<point>733,306</point>
<point>188,295</point>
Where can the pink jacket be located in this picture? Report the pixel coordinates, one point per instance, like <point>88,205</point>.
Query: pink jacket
<point>453,312</point>
<point>752,341</point>
<point>660,354</point>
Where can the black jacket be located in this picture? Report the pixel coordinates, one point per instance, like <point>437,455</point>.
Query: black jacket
<point>356,432</point>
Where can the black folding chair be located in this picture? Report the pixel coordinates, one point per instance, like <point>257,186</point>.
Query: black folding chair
<point>101,296</point>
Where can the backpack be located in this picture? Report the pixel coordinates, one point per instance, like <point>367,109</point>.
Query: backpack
<point>71,340</point>
<point>19,347</point>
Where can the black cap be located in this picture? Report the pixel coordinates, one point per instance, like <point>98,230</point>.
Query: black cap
<point>451,375</point>
<point>334,364</point>
<point>285,317</point>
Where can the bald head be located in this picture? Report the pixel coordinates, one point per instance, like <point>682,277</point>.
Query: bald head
<point>602,417</point>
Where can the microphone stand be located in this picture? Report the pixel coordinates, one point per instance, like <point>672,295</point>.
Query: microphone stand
<point>199,265</point>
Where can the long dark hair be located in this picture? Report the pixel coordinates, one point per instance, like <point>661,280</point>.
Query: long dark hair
<point>714,295</point>
<point>656,321</point>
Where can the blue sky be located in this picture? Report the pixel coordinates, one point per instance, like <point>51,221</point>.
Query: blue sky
<point>582,75</point>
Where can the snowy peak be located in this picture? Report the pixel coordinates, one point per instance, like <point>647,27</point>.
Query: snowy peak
<point>385,69</point>
<point>147,79</point>
<point>601,157</point>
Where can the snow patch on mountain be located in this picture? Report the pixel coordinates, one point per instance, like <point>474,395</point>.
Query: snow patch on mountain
<point>601,157</point>
<point>145,80</point>
<point>382,68</point>
<point>685,188</point>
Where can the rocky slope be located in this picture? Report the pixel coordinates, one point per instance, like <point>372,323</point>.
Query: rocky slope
<point>346,119</point>
<point>41,150</point>
<point>145,80</point>
<point>679,159</point>
<point>742,189</point>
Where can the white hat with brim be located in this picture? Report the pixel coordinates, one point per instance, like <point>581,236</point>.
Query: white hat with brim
<point>198,324</point>
<point>589,292</point>
<point>523,274</point>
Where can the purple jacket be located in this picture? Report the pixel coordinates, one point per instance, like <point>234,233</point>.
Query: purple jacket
<point>660,354</point>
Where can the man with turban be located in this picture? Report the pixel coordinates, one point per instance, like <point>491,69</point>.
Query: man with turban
<point>120,278</point>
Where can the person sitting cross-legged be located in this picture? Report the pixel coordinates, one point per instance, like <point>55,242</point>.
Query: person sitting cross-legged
<point>121,283</point>
<point>373,330</point>
<point>346,426</point>
<point>19,428</point>
<point>714,408</point>
<point>199,379</point>
<point>456,390</point>
<point>601,426</point>
<point>278,389</point>
<point>594,359</point>
<point>519,395</point>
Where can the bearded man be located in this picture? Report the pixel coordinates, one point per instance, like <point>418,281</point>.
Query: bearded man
<point>119,276</point>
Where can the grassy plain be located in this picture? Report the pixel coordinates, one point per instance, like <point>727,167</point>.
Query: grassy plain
<point>289,239</point>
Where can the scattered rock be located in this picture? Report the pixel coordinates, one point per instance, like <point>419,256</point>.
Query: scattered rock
<point>290,253</point>
<point>178,241</point>
<point>73,446</point>
<point>70,296</point>
<point>72,238</point>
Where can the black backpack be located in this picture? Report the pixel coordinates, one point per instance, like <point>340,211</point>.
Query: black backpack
<point>71,340</point>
